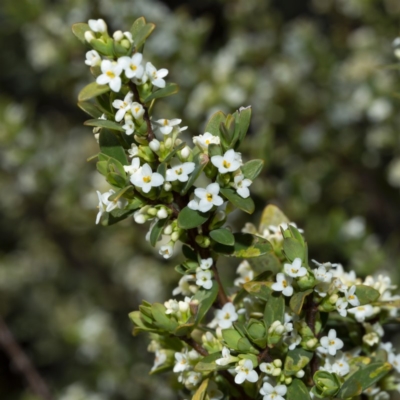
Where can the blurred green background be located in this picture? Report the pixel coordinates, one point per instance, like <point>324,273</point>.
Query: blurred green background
<point>325,119</point>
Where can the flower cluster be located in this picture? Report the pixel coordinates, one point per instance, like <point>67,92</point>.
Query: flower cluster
<point>291,329</point>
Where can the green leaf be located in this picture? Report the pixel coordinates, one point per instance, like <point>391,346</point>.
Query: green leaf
<point>206,299</point>
<point>189,219</point>
<point>207,364</point>
<point>168,90</point>
<point>143,33</point>
<point>247,246</point>
<point>173,152</point>
<point>267,262</point>
<point>244,123</point>
<point>92,90</point>
<point>163,320</point>
<point>115,179</point>
<point>189,253</point>
<point>118,215</point>
<point>90,109</point>
<point>293,249</point>
<point>367,294</point>
<point>246,205</point>
<point>79,31</point>
<point>260,290</point>
<point>104,123</point>
<point>136,27</point>
<point>116,196</point>
<point>201,391</point>
<point>272,215</point>
<point>297,301</point>
<point>296,360</point>
<point>297,390</point>
<point>214,150</point>
<point>274,310</point>
<point>102,167</point>
<point>223,236</point>
<point>363,379</point>
<point>109,145</point>
<point>213,125</point>
<point>157,230</point>
<point>200,161</point>
<point>252,169</point>
<point>231,338</point>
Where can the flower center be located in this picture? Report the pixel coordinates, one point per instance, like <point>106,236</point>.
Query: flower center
<point>209,197</point>
<point>331,343</point>
<point>227,316</point>
<point>146,179</point>
<point>133,67</point>
<point>284,283</point>
<point>110,74</point>
<point>165,123</point>
<point>179,171</point>
<point>226,164</point>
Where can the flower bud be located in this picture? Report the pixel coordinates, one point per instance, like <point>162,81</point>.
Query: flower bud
<point>162,213</point>
<point>311,343</point>
<point>276,372</point>
<point>168,143</point>
<point>125,43</point>
<point>139,217</point>
<point>175,236</point>
<point>185,153</point>
<point>300,374</point>
<point>168,229</point>
<point>154,145</point>
<point>152,211</point>
<point>118,36</point>
<point>101,25</point>
<point>167,186</point>
<point>183,306</point>
<point>288,380</point>
<point>334,298</point>
<point>178,142</point>
<point>277,362</point>
<point>89,36</point>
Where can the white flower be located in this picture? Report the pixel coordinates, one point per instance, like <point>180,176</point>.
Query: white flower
<point>351,297</point>
<point>226,357</point>
<point>92,58</point>
<point>206,263</point>
<point>133,151</point>
<point>273,393</point>
<point>172,306</point>
<point>293,340</point>
<point>371,338</point>
<point>204,140</point>
<point>131,65</point>
<point>140,81</point>
<point>362,312</point>
<point>226,316</point>
<point>208,198</point>
<point>160,358</point>
<point>145,178</point>
<point>137,110</point>
<point>167,125</point>
<point>337,364</point>
<point>166,251</point>
<point>229,162</point>
<point>123,106</point>
<point>111,72</point>
<point>283,284</point>
<point>134,167</point>
<point>245,372</point>
<point>185,287</point>
<point>203,278</point>
<point>242,186</point>
<point>330,344</point>
<point>181,362</point>
<point>341,306</point>
<point>98,25</point>
<point>245,272</point>
<point>322,275</point>
<point>295,269</point>
<point>155,75</point>
<point>395,361</point>
<point>129,128</point>
<point>103,202</point>
<point>179,171</point>
<point>193,379</point>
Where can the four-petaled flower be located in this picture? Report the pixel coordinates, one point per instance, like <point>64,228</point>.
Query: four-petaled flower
<point>330,344</point>
<point>146,179</point>
<point>295,269</point>
<point>167,125</point>
<point>245,372</point>
<point>156,76</point>
<point>283,284</point>
<point>229,162</point>
<point>242,186</point>
<point>111,72</point>
<point>93,58</point>
<point>123,106</point>
<point>181,362</point>
<point>362,312</point>
<point>352,297</point>
<point>137,110</point>
<point>203,278</point>
<point>206,263</point>
<point>208,198</point>
<point>226,357</point>
<point>226,316</point>
<point>132,65</point>
<point>203,141</point>
<point>166,251</point>
<point>179,171</point>
<point>273,392</point>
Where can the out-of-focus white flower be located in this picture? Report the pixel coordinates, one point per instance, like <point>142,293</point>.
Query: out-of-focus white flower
<point>135,165</point>
<point>206,263</point>
<point>156,76</point>
<point>129,128</point>
<point>181,362</point>
<point>180,171</point>
<point>245,272</point>
<point>97,25</point>
<point>226,357</point>
<point>160,358</point>
<point>166,251</point>
<point>352,297</point>
<point>273,392</point>
<point>167,125</point>
<point>137,110</point>
<point>93,58</point>
<point>362,312</point>
<point>203,141</point>
<point>204,278</point>
<point>341,306</point>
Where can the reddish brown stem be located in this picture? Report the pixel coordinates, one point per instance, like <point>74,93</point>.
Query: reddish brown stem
<point>22,363</point>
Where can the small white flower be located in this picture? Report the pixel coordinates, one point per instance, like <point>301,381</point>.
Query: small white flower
<point>172,306</point>
<point>352,297</point>
<point>160,358</point>
<point>103,202</point>
<point>371,338</point>
<point>185,287</point>
<point>245,272</point>
<point>146,179</point>
<point>137,110</point>
<point>242,186</point>
<point>129,128</point>
<point>156,76</point>
<point>179,171</point>
<point>131,65</point>
<point>133,151</point>
<point>337,364</point>
<point>92,58</point>
<point>295,269</point>
<point>167,125</point>
<point>185,152</point>
<point>362,312</point>
<point>245,372</point>
<point>330,344</point>
<point>273,392</point>
<point>226,316</point>
<point>111,72</point>
<point>206,263</point>
<point>204,278</point>
<point>192,380</point>
<point>123,106</point>
<point>226,357</point>
<point>98,25</point>
<point>204,140</point>
<point>395,361</point>
<point>181,362</point>
<point>208,198</point>
<point>293,340</point>
<point>134,167</point>
<point>341,306</point>
<point>283,284</point>
<point>166,251</point>
<point>140,81</point>
<point>322,275</point>
<point>229,162</point>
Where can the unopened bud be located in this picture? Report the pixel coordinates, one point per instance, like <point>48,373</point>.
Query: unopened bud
<point>333,299</point>
<point>89,36</point>
<point>101,25</point>
<point>167,186</point>
<point>300,374</point>
<point>125,43</point>
<point>168,230</point>
<point>168,143</point>
<point>175,236</point>
<point>152,211</point>
<point>278,363</point>
<point>311,343</point>
<point>154,145</point>
<point>288,380</point>
<point>118,36</point>
<point>178,142</point>
<point>183,306</point>
<point>162,213</point>
<point>139,218</point>
<point>277,372</point>
<point>185,153</point>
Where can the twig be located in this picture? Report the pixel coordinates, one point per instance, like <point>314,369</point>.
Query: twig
<point>264,356</point>
<point>146,116</point>
<point>311,313</point>
<point>22,363</point>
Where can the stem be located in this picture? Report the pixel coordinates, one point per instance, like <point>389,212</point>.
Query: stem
<point>264,356</point>
<point>146,116</point>
<point>311,313</point>
<point>22,363</point>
